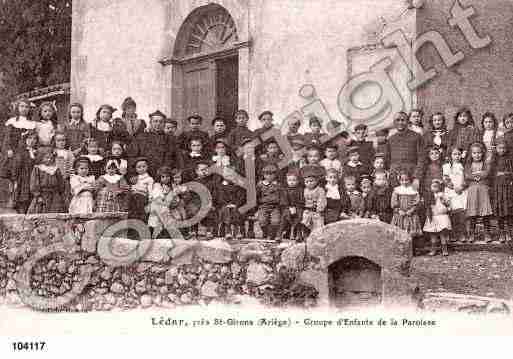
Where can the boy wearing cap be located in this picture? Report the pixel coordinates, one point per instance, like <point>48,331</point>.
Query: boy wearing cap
<point>292,132</point>
<point>154,144</point>
<point>268,198</point>
<point>365,148</point>
<point>195,122</point>
<point>272,156</point>
<point>129,126</point>
<point>170,127</point>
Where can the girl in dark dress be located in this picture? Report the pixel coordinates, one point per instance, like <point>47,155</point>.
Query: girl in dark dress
<point>502,191</point>
<point>101,128</point>
<point>24,162</point>
<point>15,128</point>
<point>381,196</point>
<point>464,132</point>
<point>97,163</point>
<point>438,135</point>
<point>46,186</point>
<point>76,129</point>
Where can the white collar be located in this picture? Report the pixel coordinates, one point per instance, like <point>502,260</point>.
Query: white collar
<point>143,176</point>
<point>352,164</point>
<point>112,178</point>
<point>48,169</point>
<point>94,158</point>
<point>22,123</point>
<point>405,190</point>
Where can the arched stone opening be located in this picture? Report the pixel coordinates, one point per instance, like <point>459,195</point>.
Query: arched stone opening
<point>354,281</point>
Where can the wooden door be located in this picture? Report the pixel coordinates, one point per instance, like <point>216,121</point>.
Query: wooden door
<point>199,95</point>
<point>227,88</point>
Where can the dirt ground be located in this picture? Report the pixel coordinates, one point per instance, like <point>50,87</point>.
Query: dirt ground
<point>475,273</point>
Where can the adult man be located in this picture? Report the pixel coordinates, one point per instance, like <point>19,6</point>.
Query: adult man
<point>404,150</point>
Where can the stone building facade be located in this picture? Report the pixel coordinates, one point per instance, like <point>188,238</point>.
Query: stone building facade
<point>292,57</point>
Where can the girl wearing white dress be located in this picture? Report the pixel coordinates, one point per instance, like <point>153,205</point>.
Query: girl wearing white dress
<point>82,188</point>
<point>47,124</point>
<point>438,223</point>
<point>455,191</point>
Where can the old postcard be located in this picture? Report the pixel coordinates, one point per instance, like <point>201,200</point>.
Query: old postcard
<point>249,167</point>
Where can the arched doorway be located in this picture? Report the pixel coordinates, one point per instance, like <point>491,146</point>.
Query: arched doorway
<point>206,65</point>
<point>354,282</point>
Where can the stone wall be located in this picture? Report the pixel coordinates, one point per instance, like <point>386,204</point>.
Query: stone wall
<point>87,263</point>
<point>55,262</point>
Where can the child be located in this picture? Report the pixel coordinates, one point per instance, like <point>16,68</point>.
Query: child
<point>181,195</point>
<point>46,185</point>
<point>298,160</point>
<point>96,160</point>
<point>438,136</point>
<point>313,138</point>
<point>272,156</point>
<point>220,131</point>
<point>508,132</point>
<point>366,188</point>
<point>221,157</point>
<point>380,198</point>
<point>477,173</point>
<point>453,173</point>
<point>315,202</point>
<point>356,207</point>
<point>337,201</point>
<point>112,187</point>
<point>489,126</point>
<point>195,123</point>
<point>354,167</point>
<point>293,130</point>
<point>464,132</point>
<point>76,129</point>
<point>203,176</point>
<point>502,191</point>
<point>365,148</point>
<point>141,187</point>
<point>82,188</point>
<point>240,133</point>
<point>331,161</point>
<point>162,197</point>
<point>191,158</point>
<point>101,128</point>
<point>432,170</point>
<point>117,156</point>
<point>381,140</point>
<point>379,164</point>
<point>228,198</point>
<point>292,203</point>
<point>47,124</point>
<point>24,162</point>
<point>170,127</point>
<point>313,160</point>
<point>437,223</point>
<point>64,157</point>
<point>267,122</point>
<point>415,119</point>
<point>15,128</point>
<point>268,198</point>
<point>404,202</point>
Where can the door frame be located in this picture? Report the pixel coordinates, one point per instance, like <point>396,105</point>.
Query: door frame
<point>241,50</point>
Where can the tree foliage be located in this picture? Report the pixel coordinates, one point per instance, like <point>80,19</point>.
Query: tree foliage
<point>35,46</point>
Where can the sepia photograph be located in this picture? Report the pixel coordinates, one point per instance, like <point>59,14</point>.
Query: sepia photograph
<point>254,166</point>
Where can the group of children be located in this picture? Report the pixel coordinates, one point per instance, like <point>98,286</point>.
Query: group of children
<point>432,181</point>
